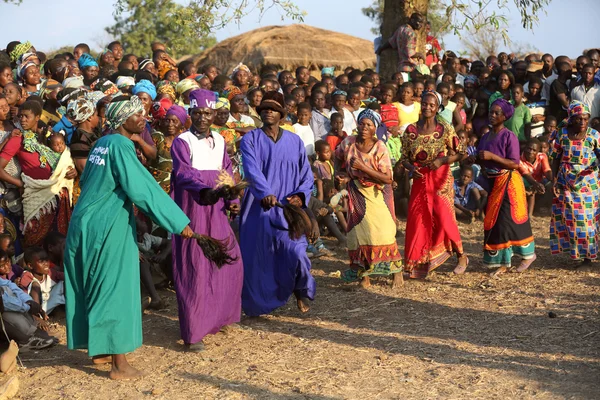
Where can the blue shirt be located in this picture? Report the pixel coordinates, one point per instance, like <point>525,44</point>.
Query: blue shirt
<point>464,200</point>
<point>65,125</point>
<point>13,297</point>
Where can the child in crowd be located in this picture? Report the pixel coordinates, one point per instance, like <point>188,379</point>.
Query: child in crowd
<point>419,87</point>
<point>447,114</point>
<point>44,285</point>
<point>149,245</point>
<point>469,198</point>
<point>303,129</point>
<point>408,108</point>
<point>394,144</point>
<point>389,112</point>
<point>520,122</point>
<point>536,172</point>
<point>354,101</point>
<point>299,94</point>
<point>323,214</point>
<point>54,244</point>
<point>550,125</point>
<point>595,123</point>
<point>291,109</point>
<point>56,142</point>
<point>8,270</point>
<point>336,133</point>
<point>323,163</point>
<point>459,118</point>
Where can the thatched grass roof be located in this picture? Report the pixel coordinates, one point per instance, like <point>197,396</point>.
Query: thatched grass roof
<point>289,47</point>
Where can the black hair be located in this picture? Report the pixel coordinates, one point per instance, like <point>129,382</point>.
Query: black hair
<point>316,89</point>
<point>4,58</point>
<point>336,115</point>
<point>220,80</point>
<point>595,123</point>
<point>297,72</point>
<point>4,65</point>
<point>518,86</point>
<point>304,106</point>
<point>466,167</point>
<point>442,85</point>
<point>354,74</point>
<point>536,79</point>
<point>113,44</point>
<point>139,75</point>
<point>289,98</point>
<point>319,87</point>
<point>366,79</point>
<point>328,186</point>
<point>457,95</point>
<point>41,56</point>
<point>387,87</point>
<point>84,46</point>
<point>33,105</point>
<point>320,146</point>
<point>182,66</point>
<point>53,239</point>
<point>352,91</point>
<point>375,106</point>
<point>3,254</point>
<point>410,85</point>
<point>33,253</point>
<point>550,118</point>
<point>11,46</point>
<point>535,141</point>
<point>206,67</point>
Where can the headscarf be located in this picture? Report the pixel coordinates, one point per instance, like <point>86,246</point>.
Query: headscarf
<point>201,98</point>
<point>28,57</point>
<point>168,88</point>
<point>370,114</point>
<point>327,71</point>
<point>103,52</point>
<point>21,69</point>
<point>438,98</point>
<point>185,85</point>
<point>145,86</point>
<point>240,67</point>
<point>86,60</point>
<point>507,109</point>
<point>222,102</point>
<point>231,91</point>
<point>19,50</point>
<point>164,67</point>
<point>125,81</point>
<point>80,110</point>
<point>94,96</point>
<point>472,79</point>
<point>577,108</point>
<point>179,112</point>
<point>145,63</point>
<point>47,87</point>
<point>339,92</point>
<point>73,82</point>
<point>118,112</point>
<point>159,108</point>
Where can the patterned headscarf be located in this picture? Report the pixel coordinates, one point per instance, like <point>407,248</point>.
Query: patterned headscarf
<point>145,63</point>
<point>94,96</point>
<point>159,108</point>
<point>339,92</point>
<point>507,109</point>
<point>80,110</point>
<point>327,71</point>
<point>86,60</point>
<point>231,91</point>
<point>240,67</point>
<point>168,88</point>
<point>74,82</point>
<point>145,86</point>
<point>118,112</point>
<point>21,69</point>
<point>222,102</point>
<point>577,108</point>
<point>164,67</point>
<point>19,50</point>
<point>438,98</point>
<point>370,114</point>
<point>179,112</point>
<point>125,81</point>
<point>185,85</point>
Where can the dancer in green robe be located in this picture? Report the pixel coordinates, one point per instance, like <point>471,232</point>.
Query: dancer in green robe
<point>102,272</point>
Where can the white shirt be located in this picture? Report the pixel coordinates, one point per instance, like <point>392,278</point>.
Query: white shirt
<point>349,121</point>
<point>308,137</point>
<point>244,119</point>
<point>590,98</point>
<point>205,154</point>
<point>460,80</point>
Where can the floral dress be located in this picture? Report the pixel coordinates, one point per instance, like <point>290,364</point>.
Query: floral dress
<point>163,165</point>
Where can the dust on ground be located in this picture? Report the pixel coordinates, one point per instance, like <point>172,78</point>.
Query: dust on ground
<point>450,337</point>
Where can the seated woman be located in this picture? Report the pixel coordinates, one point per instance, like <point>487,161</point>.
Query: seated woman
<point>47,178</point>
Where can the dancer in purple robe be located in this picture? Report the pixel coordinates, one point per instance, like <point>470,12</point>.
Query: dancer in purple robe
<point>277,169</point>
<point>209,298</point>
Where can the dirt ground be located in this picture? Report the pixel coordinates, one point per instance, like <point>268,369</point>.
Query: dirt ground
<point>447,337</point>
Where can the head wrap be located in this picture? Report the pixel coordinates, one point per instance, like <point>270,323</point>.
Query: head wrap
<point>327,71</point>
<point>199,77</point>
<point>21,69</point>
<point>507,109</point>
<point>471,79</point>
<point>73,82</point>
<point>80,110</point>
<point>201,98</point>
<point>339,92</point>
<point>231,91</point>
<point>222,102</point>
<point>159,108</point>
<point>94,96</point>
<point>145,63</point>
<point>164,67</point>
<point>168,88</point>
<point>370,114</point>
<point>71,95</point>
<point>438,98</point>
<point>145,86</point>
<point>577,108</point>
<point>179,112</point>
<point>103,52</point>
<point>118,112</point>
<point>47,87</point>
<point>86,60</point>
<point>185,85</point>
<point>19,50</point>
<point>124,81</point>
<point>28,57</point>
<point>240,67</point>
<point>109,88</point>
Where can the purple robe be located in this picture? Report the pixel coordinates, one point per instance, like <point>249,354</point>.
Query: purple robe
<point>274,265</point>
<point>208,297</point>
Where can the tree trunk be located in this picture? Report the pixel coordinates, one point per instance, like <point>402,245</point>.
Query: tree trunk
<point>396,13</point>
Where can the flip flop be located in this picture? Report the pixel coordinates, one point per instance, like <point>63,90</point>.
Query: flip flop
<point>526,263</point>
<point>460,269</point>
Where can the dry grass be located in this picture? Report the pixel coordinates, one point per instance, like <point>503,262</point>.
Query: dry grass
<point>451,337</point>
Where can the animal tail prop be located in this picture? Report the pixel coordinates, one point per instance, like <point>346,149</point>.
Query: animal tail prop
<point>298,222</point>
<point>227,188</point>
<point>215,250</point>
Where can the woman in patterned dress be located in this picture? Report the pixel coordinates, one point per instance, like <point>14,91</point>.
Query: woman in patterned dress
<point>575,213</point>
<point>173,125</point>
<point>371,219</point>
<point>429,147</point>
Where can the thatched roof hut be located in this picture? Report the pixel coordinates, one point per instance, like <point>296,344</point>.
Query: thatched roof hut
<point>289,47</point>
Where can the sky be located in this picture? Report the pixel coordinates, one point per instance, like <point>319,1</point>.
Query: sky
<point>84,21</point>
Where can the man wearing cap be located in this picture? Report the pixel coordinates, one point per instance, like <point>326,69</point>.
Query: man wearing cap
<point>209,298</point>
<point>277,169</point>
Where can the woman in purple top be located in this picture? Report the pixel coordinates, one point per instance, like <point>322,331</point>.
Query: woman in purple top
<point>506,225</point>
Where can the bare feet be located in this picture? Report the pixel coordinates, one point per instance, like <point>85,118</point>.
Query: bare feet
<point>365,282</point>
<point>302,305</point>
<point>461,267</point>
<point>526,264</point>
<point>121,370</point>
<point>498,272</point>
<point>102,359</point>
<point>398,280</point>
<point>8,359</point>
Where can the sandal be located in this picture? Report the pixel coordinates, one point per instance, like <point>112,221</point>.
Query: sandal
<point>36,343</point>
<point>526,263</point>
<point>460,269</point>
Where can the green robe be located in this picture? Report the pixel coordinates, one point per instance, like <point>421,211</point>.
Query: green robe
<point>102,268</point>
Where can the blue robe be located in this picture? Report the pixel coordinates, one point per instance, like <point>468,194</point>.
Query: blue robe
<point>274,265</point>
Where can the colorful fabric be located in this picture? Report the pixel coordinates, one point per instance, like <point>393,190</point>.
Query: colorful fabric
<point>179,112</point>
<point>22,69</point>
<point>577,108</point>
<point>74,82</point>
<point>370,114</point>
<point>164,67</point>
<point>184,85</point>
<point>389,115</point>
<point>94,97</point>
<point>202,98</point>
<point>144,63</point>
<point>538,169</point>
<point>240,67</point>
<point>86,60</point>
<point>162,166</point>
<point>575,215</point>
<point>80,110</point>
<point>230,135</point>
<point>507,109</point>
<point>339,92</point>
<point>231,91</point>
<point>144,86</point>
<point>118,112</point>
<point>222,102</point>
<point>19,50</point>
<point>159,108</point>
<point>327,71</point>
<point>394,146</point>
<point>371,235</point>
<point>507,229</point>
<point>404,40</point>
<point>168,88</point>
<point>46,155</point>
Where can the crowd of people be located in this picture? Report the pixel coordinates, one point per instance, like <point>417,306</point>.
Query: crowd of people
<point>112,166</point>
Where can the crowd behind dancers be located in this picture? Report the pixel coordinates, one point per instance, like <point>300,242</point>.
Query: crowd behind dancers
<point>445,139</point>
